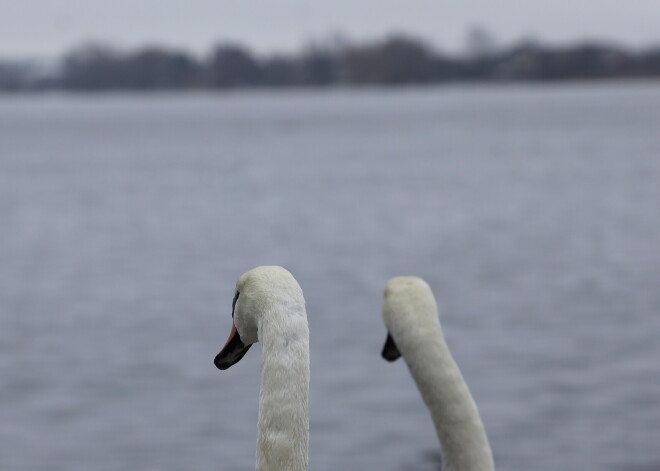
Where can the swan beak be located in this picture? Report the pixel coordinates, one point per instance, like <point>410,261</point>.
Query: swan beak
<point>390,350</point>
<point>232,352</point>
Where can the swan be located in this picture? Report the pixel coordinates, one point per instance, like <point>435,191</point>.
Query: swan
<point>269,307</point>
<point>414,332</point>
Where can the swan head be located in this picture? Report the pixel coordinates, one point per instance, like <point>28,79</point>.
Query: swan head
<point>256,291</point>
<point>409,313</point>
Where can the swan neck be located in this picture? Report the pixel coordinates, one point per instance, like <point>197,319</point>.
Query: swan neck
<point>283,434</point>
<point>455,415</point>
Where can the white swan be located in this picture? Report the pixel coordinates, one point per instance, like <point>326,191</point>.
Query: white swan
<point>411,316</point>
<point>269,308</point>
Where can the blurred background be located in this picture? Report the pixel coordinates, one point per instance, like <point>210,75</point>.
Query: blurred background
<point>151,152</point>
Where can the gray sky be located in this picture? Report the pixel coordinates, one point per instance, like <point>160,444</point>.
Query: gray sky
<point>49,27</point>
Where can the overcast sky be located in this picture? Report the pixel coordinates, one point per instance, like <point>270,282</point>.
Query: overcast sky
<point>49,27</point>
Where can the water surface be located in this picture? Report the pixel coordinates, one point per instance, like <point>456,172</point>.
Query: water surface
<point>531,211</point>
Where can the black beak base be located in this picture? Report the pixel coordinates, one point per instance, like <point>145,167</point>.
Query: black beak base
<point>390,350</point>
<point>232,352</point>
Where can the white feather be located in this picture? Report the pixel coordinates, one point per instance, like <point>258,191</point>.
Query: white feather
<point>411,316</point>
<point>271,310</point>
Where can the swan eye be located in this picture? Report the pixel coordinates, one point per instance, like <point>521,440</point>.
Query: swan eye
<point>233,303</point>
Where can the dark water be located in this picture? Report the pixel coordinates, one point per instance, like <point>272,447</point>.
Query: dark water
<point>534,213</point>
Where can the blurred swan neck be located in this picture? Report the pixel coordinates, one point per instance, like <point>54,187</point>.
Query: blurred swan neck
<point>412,320</point>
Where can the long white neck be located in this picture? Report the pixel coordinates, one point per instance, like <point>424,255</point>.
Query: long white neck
<point>283,404</point>
<point>457,423</point>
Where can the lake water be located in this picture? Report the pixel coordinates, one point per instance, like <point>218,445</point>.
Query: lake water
<point>533,213</point>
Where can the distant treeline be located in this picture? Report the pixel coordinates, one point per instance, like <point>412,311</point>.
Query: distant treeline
<point>394,60</point>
